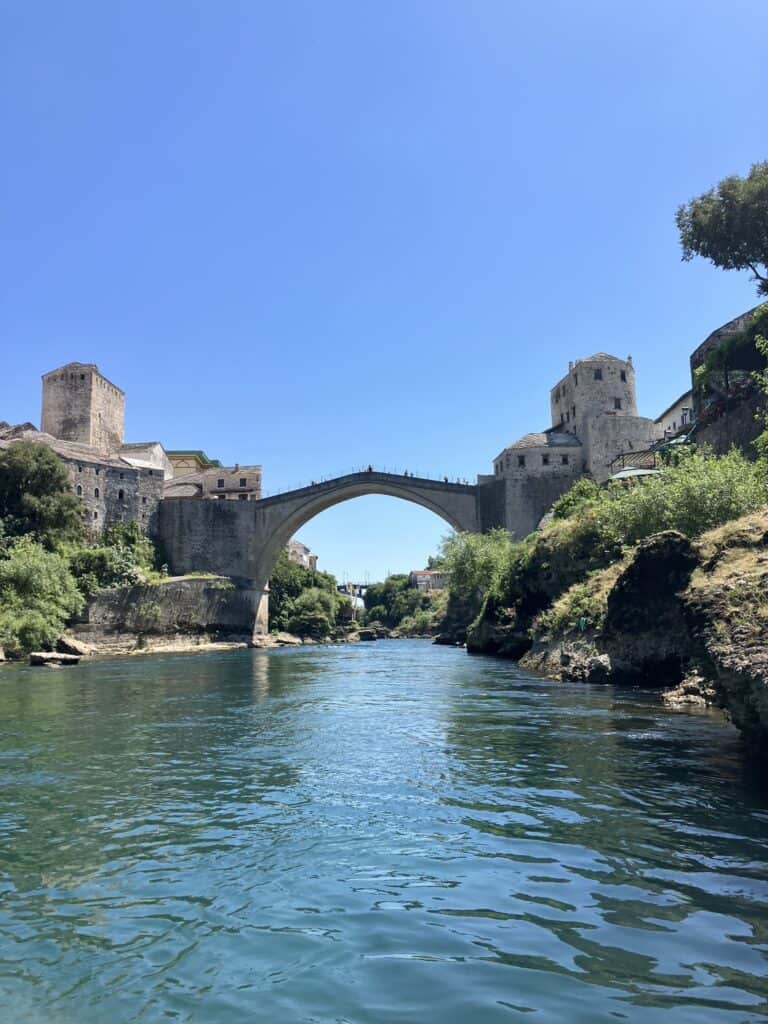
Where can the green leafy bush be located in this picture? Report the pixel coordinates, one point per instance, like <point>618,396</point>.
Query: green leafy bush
<point>37,595</point>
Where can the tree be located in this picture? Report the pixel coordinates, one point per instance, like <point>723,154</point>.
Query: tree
<point>37,595</point>
<point>36,496</point>
<point>287,582</point>
<point>728,225</point>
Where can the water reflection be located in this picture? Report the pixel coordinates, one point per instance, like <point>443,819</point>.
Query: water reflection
<point>383,832</point>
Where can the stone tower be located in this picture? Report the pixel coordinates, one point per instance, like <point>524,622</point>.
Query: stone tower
<point>79,404</point>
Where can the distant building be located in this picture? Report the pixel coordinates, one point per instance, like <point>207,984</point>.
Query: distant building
<point>301,554</point>
<point>427,579</point>
<point>223,483</point>
<point>678,418</point>
<point>193,461</point>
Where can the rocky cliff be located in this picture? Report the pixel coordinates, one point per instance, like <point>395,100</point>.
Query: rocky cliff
<point>689,617</point>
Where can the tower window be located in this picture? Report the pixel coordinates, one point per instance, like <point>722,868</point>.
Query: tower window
<point>82,376</point>
<point>564,459</point>
<point>143,501</point>
<point>598,374</point>
<point>243,481</point>
<point>575,379</point>
<point>624,376</point>
<point>79,490</point>
<point>96,492</point>
<point>95,515</point>
<point>121,495</point>
<point>617,403</point>
<point>545,460</point>
<point>521,461</point>
<point>573,411</point>
<point>98,470</point>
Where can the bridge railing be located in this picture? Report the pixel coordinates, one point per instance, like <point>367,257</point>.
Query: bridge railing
<point>350,471</point>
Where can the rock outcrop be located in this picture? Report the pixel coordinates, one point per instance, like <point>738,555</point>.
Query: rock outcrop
<point>689,616</point>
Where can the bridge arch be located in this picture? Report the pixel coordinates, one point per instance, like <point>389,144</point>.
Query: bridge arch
<point>244,539</point>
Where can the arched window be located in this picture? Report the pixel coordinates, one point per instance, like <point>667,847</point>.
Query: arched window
<point>120,496</point>
<point>96,492</point>
<point>79,490</point>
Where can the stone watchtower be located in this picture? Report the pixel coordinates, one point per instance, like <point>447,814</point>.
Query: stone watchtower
<point>79,404</point>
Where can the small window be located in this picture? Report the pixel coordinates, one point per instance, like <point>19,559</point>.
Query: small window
<point>243,481</point>
<point>545,460</point>
<point>575,379</point>
<point>151,472</point>
<point>624,376</point>
<point>243,497</point>
<point>121,495</point>
<point>82,376</point>
<point>79,490</point>
<point>521,461</point>
<point>79,469</point>
<point>573,411</point>
<point>98,470</point>
<point>598,374</point>
<point>617,403</point>
<point>95,515</point>
<point>567,417</point>
<point>143,501</point>
<point>122,475</point>
<point>219,483</point>
<point>564,459</point>
<point>96,492</point>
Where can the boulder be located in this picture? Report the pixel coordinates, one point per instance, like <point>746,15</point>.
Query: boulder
<point>367,634</point>
<point>68,644</point>
<point>53,658</point>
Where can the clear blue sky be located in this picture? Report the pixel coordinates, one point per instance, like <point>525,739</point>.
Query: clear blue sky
<point>318,235</point>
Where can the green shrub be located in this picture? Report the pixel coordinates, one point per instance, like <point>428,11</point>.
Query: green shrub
<point>37,595</point>
<point>698,493</point>
<point>585,492</point>
<point>104,567</point>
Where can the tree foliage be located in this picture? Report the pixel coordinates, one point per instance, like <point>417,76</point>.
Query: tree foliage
<point>288,582</point>
<point>728,225</point>
<point>36,496</point>
<point>37,596</point>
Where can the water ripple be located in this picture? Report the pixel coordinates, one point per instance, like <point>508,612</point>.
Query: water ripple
<point>381,833</point>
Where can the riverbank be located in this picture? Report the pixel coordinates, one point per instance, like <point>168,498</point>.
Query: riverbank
<point>687,617</point>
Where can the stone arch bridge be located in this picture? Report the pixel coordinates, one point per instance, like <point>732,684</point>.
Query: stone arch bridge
<point>243,539</point>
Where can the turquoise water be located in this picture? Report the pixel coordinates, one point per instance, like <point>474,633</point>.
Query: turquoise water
<point>388,832</point>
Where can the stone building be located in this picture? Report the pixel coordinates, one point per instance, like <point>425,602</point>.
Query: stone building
<point>224,483</point>
<point>301,554</point>
<point>83,417</point>
<point>594,420</point>
<point>193,461</point>
<point>81,405</point>
<point>678,417</point>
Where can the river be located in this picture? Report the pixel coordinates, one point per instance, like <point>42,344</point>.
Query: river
<point>388,832</point>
